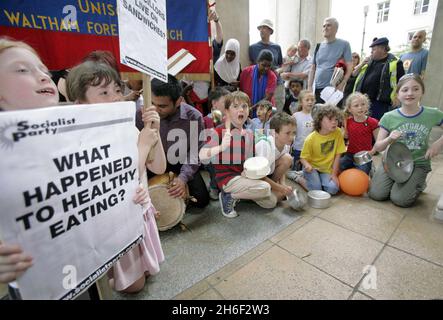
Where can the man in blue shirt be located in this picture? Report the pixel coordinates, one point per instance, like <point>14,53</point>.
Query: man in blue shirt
<point>415,60</point>
<point>329,52</point>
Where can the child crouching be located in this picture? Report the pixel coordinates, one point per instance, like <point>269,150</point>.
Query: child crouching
<point>321,151</point>
<point>228,150</point>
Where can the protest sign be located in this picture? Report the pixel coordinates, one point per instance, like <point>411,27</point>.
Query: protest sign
<point>142,36</point>
<point>68,178</point>
<point>63,31</point>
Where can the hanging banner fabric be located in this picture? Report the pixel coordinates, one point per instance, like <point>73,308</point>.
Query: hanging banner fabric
<point>64,31</point>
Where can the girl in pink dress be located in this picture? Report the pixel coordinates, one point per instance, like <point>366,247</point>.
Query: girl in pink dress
<point>93,82</point>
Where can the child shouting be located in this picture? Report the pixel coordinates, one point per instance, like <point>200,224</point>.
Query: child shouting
<point>228,149</point>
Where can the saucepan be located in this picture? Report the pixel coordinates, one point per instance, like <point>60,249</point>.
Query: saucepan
<point>297,199</point>
<point>398,162</point>
<point>319,199</point>
<point>362,158</point>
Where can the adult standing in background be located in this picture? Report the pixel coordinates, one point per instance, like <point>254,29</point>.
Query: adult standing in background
<point>302,66</point>
<point>415,60</point>
<point>266,28</point>
<point>378,79</point>
<point>227,68</point>
<point>351,81</point>
<point>329,52</point>
<point>259,81</point>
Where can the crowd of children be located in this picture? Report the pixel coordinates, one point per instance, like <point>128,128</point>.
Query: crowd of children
<point>309,148</point>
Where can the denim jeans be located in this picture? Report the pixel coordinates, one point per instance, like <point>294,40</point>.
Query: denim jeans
<point>296,164</point>
<point>347,162</point>
<point>321,181</point>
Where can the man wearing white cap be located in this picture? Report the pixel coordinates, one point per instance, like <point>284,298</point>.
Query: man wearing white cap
<point>266,29</point>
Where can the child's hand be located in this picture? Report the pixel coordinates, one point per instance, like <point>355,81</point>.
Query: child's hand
<point>395,135</point>
<point>151,118</point>
<point>286,190</point>
<point>335,179</point>
<point>213,16</point>
<point>13,262</point>
<point>434,149</point>
<point>308,168</point>
<point>133,96</point>
<point>141,195</point>
<point>226,141</point>
<point>372,152</point>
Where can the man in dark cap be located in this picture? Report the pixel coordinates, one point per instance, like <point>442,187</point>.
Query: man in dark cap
<point>378,79</point>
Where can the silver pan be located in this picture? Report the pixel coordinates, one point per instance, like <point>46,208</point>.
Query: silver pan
<point>398,162</point>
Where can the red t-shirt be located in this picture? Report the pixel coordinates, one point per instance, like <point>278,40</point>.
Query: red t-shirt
<point>360,134</point>
<point>229,163</point>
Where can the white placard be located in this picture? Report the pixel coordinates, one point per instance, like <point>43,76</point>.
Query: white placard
<point>331,95</point>
<point>68,175</point>
<point>143,36</point>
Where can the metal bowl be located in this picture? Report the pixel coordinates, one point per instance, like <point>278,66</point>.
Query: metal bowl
<point>319,199</point>
<point>297,199</point>
<point>398,162</point>
<point>362,158</point>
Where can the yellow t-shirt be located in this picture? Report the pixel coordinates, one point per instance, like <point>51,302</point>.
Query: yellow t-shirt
<point>320,150</point>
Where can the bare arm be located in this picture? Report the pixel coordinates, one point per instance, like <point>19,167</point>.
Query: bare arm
<point>149,138</point>
<point>336,165</point>
<point>218,27</point>
<point>357,69</point>
<point>207,153</point>
<point>375,135</point>
<point>384,139</point>
<point>158,166</point>
<point>280,190</point>
<point>311,77</point>
<point>435,148</point>
<point>308,167</point>
<point>294,75</point>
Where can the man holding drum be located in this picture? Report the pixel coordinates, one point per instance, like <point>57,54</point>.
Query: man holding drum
<point>180,128</point>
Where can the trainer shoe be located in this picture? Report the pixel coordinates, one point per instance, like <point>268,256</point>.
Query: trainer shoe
<point>213,194</point>
<point>227,204</point>
<point>297,177</point>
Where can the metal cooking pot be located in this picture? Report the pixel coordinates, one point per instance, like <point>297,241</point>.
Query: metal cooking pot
<point>319,199</point>
<point>362,158</point>
<point>297,199</point>
<point>398,162</point>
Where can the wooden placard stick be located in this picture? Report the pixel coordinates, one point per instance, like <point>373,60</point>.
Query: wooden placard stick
<point>146,104</point>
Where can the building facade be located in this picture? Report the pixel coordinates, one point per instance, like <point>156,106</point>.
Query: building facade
<point>395,19</point>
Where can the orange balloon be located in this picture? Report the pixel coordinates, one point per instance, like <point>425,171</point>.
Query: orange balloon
<point>354,182</point>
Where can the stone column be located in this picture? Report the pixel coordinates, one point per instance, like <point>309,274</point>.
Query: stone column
<point>234,16</point>
<point>433,76</point>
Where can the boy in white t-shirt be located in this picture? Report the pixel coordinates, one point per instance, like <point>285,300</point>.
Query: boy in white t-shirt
<point>276,147</point>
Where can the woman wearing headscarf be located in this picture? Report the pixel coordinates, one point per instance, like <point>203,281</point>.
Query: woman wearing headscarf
<point>228,68</point>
